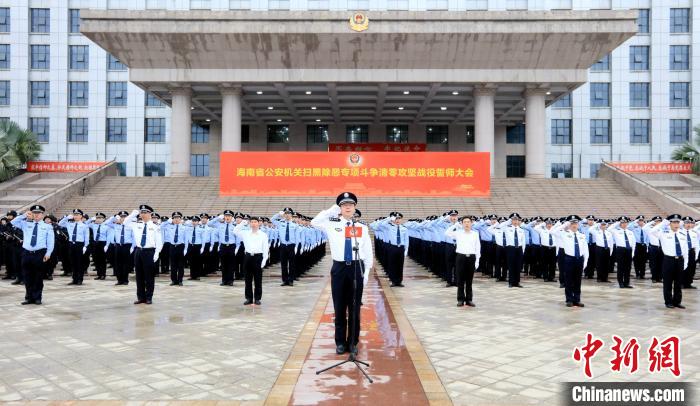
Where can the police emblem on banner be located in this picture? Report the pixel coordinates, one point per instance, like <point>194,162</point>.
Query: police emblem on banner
<point>359,22</point>
<point>354,159</point>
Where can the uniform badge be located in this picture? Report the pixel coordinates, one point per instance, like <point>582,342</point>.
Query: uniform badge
<point>359,22</point>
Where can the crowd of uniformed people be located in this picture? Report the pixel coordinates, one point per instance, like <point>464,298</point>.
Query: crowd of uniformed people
<point>505,248</point>
<point>236,245</point>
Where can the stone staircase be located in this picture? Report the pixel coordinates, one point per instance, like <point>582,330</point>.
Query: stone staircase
<point>684,187</point>
<point>529,197</point>
<point>29,187</point>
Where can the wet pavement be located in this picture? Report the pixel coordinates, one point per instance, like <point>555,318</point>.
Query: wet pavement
<point>382,345</point>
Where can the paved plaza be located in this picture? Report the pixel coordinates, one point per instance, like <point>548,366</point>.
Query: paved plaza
<point>198,342</point>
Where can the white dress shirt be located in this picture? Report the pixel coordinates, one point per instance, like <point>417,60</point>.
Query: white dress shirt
<point>619,236</point>
<point>468,243</point>
<point>510,232</point>
<point>154,238</point>
<point>254,242</point>
<point>667,240</point>
<point>566,241</point>
<point>600,237</point>
<point>334,226</point>
<point>695,244</point>
<point>653,240</point>
<point>545,234</point>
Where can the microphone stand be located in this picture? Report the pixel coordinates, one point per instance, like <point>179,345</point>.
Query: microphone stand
<point>355,314</point>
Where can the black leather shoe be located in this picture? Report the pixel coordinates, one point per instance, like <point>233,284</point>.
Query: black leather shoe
<point>138,302</point>
<point>247,302</point>
<point>27,302</point>
<point>579,304</point>
<point>37,302</point>
<point>400,285</point>
<point>340,349</point>
<point>668,306</point>
<point>629,287</point>
<point>257,302</point>
<point>180,283</point>
<point>353,350</point>
<point>470,304</point>
<point>148,302</point>
<point>569,304</point>
<point>223,284</point>
<point>460,304</point>
<point>71,283</point>
<point>680,306</point>
<point>18,283</point>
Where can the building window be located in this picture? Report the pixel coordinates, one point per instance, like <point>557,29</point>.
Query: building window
<point>4,19</point>
<point>639,131</point>
<point>116,94</point>
<point>679,131</point>
<point>245,134</point>
<point>561,131</point>
<point>41,57</point>
<point>77,130</point>
<point>74,21</point>
<point>40,95</point>
<point>116,130</point>
<point>564,101</point>
<point>358,4</point>
<point>278,134</point>
<point>397,134</point>
<point>4,56</point>
<point>278,4</point>
<point>643,21</point>
<point>515,134</point>
<point>600,131</point>
<point>679,94</point>
<point>397,4</point>
<point>199,165</point>
<point>436,5</point>
<point>594,170</point>
<point>78,93</point>
<point>639,57</point>
<point>154,169</point>
<point>679,57</point>
<point>155,130</point>
<point>515,166</point>
<point>600,94</point>
<point>562,170</point>
<point>114,63</point>
<point>680,20</point>
<point>317,4</point>
<point>602,65</point>
<point>4,92</point>
<point>469,134</point>
<point>40,127</point>
<point>357,134</point>
<point>436,134</point>
<point>639,94</point>
<point>40,19</point>
<point>316,134</point>
<point>121,168</point>
<point>79,57</point>
<point>200,133</point>
<point>239,5</point>
<point>153,101</point>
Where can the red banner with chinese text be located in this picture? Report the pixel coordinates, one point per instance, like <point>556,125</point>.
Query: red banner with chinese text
<point>653,167</point>
<point>377,147</point>
<point>63,166</point>
<point>363,173</point>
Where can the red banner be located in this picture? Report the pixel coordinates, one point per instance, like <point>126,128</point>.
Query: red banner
<point>653,167</point>
<point>364,173</point>
<point>63,166</point>
<point>377,147</point>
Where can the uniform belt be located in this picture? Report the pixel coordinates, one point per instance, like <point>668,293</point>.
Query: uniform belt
<point>176,245</point>
<point>35,251</point>
<point>673,256</point>
<point>253,255</point>
<point>76,242</point>
<point>145,249</point>
<point>345,262</point>
<point>289,243</point>
<point>227,245</point>
<point>571,256</point>
<point>467,255</point>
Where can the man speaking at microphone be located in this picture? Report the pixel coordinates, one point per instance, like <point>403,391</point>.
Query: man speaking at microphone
<point>343,234</point>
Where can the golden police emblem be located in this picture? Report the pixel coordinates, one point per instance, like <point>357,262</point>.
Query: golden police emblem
<point>359,22</point>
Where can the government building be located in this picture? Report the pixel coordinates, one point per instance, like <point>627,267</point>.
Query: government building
<point>549,88</point>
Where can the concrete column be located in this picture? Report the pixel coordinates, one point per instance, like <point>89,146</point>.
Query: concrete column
<point>231,118</point>
<point>181,132</point>
<point>534,133</point>
<point>484,121</point>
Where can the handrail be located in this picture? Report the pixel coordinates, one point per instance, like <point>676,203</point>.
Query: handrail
<point>82,178</point>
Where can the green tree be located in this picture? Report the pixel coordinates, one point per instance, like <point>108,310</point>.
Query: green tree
<point>17,146</point>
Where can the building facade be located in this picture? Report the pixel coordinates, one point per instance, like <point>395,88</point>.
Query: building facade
<point>636,103</point>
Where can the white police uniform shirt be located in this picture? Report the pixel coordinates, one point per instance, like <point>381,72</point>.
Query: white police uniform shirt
<point>692,236</point>
<point>600,237</point>
<point>567,240</point>
<point>334,227</point>
<point>619,236</point>
<point>468,243</point>
<point>667,240</point>
<point>653,240</point>
<point>545,235</point>
<point>510,232</point>
<point>154,238</point>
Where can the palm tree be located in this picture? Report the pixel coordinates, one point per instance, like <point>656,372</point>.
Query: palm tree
<point>690,152</point>
<point>17,147</point>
